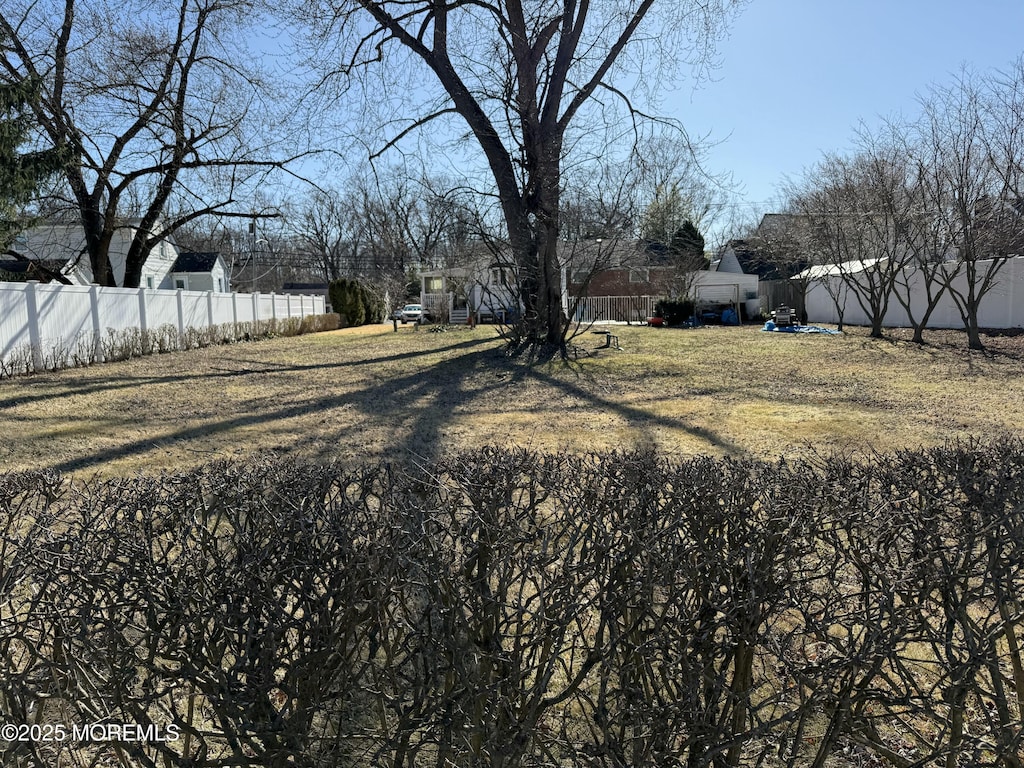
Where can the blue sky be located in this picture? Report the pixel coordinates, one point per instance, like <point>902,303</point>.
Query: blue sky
<point>797,76</point>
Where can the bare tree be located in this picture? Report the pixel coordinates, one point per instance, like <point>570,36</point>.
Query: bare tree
<point>928,272</point>
<point>332,232</point>
<point>855,209</point>
<point>971,183</point>
<point>154,103</point>
<point>519,76</point>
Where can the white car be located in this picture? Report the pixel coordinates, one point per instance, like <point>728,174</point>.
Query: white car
<point>412,313</point>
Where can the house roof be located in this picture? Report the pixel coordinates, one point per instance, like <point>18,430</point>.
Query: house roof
<point>755,258</point>
<point>31,268</point>
<point>819,271</point>
<point>748,257</point>
<point>193,261</point>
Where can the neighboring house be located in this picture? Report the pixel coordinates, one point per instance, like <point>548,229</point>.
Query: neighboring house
<point>641,270</point>
<point>487,291</point>
<point>64,244</point>
<point>305,289</point>
<point>629,273</point>
<point>752,257</point>
<point>620,268</point>
<point>199,272</point>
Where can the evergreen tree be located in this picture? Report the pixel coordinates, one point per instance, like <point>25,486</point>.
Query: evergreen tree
<point>354,304</point>
<point>687,245</point>
<point>664,215</point>
<point>21,173</point>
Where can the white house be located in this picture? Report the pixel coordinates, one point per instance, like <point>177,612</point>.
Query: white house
<point>199,272</point>
<point>53,241</point>
<point>62,246</point>
<point>452,294</point>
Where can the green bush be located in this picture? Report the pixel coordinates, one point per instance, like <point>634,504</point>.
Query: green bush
<point>356,302</point>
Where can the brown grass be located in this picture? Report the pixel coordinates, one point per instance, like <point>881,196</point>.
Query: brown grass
<point>366,392</point>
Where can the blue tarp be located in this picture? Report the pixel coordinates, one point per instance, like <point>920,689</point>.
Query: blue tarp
<point>770,326</point>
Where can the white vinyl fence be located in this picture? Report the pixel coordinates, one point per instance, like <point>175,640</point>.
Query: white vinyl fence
<point>1002,306</point>
<point>49,326</point>
<point>613,309</point>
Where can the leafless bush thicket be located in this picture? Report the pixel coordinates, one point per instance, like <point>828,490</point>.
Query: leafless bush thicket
<point>507,608</point>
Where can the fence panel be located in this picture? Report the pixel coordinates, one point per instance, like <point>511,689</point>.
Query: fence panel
<point>616,309</point>
<point>13,318</point>
<point>282,305</point>
<point>222,309</point>
<point>52,326</point>
<point>119,308</point>
<point>162,309</point>
<point>65,316</point>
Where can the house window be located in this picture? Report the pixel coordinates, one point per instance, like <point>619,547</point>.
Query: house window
<point>149,282</point>
<point>639,275</point>
<point>500,276</point>
<point>433,285</point>
<point>179,283</point>
<point>220,285</point>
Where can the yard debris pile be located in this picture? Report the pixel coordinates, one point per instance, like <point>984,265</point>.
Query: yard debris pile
<point>770,326</point>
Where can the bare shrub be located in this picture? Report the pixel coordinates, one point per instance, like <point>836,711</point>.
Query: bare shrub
<point>508,608</point>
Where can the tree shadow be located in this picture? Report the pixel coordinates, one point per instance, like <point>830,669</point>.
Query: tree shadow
<point>418,405</point>
<point>116,381</point>
<point>416,399</point>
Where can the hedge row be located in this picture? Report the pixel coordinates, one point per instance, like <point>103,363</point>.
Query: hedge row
<point>507,608</point>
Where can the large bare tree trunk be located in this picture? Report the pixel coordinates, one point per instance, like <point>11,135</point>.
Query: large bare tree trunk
<point>545,61</point>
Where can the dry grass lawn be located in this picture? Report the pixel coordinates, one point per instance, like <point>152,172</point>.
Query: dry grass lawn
<point>365,392</point>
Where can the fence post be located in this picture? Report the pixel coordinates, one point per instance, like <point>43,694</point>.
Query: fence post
<point>97,329</point>
<point>143,321</point>
<point>288,301</point>
<point>210,315</point>
<point>181,317</point>
<point>255,314</point>
<point>273,306</point>
<point>34,338</point>
<point>234,315</point>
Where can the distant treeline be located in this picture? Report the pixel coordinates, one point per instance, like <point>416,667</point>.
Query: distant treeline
<point>510,608</point>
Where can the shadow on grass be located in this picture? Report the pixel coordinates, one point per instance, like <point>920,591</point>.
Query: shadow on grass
<point>116,381</point>
<point>418,405</point>
<point>638,417</point>
<point>419,398</point>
